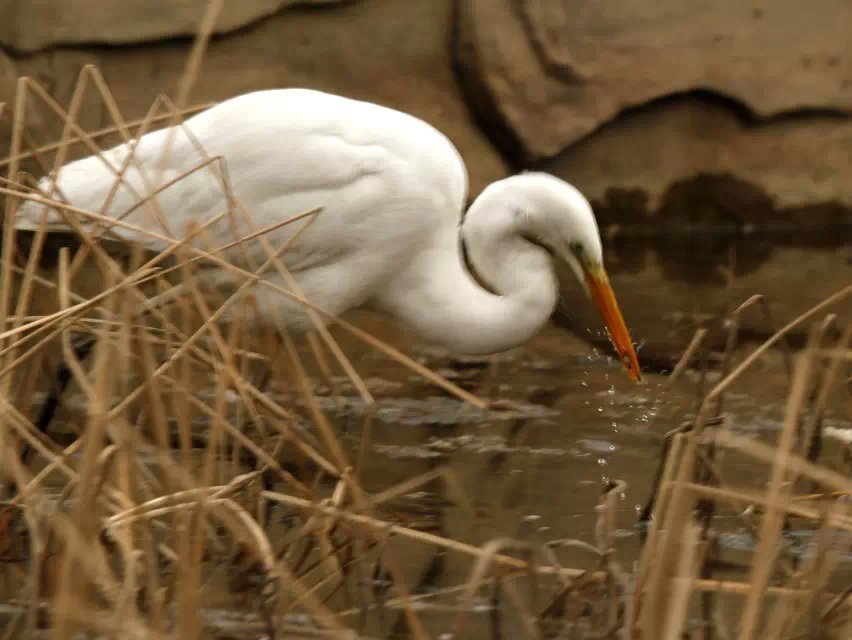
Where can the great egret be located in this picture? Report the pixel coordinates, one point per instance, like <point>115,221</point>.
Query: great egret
<point>391,233</point>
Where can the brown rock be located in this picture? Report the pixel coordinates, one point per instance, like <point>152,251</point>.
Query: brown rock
<point>36,24</point>
<point>686,189</point>
<point>551,71</point>
<point>798,160</point>
<point>364,50</point>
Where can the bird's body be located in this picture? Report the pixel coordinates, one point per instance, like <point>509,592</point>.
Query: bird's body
<point>392,190</point>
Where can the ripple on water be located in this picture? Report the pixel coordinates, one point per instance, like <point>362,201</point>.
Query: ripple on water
<point>467,443</point>
<point>597,446</point>
<point>433,410</point>
<point>801,542</point>
<point>838,433</point>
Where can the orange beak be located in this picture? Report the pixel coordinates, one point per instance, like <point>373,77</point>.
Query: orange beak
<point>604,298</point>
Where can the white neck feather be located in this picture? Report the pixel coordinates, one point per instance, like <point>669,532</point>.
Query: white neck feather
<point>439,298</point>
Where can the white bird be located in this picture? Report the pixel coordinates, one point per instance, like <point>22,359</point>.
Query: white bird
<point>392,231</point>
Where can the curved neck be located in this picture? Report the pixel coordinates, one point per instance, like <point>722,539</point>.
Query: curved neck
<point>439,298</point>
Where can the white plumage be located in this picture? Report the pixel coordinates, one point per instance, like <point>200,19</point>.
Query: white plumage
<point>392,191</point>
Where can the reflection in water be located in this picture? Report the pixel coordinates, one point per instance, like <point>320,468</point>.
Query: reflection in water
<point>702,220</point>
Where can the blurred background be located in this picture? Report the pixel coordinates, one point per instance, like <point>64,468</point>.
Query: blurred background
<point>713,138</point>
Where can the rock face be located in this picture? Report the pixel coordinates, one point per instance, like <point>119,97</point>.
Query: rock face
<point>796,160</point>
<point>709,135</point>
<point>364,50</point>
<point>689,190</point>
<point>552,71</point>
<point>36,24</point>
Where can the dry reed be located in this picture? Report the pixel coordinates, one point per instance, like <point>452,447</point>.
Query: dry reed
<point>120,533</point>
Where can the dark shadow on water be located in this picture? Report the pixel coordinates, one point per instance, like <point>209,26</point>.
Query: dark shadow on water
<point>700,220</point>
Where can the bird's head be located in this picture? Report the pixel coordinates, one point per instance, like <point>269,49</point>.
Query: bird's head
<point>557,217</point>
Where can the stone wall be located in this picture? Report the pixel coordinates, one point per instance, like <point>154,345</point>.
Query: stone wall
<point>710,135</point>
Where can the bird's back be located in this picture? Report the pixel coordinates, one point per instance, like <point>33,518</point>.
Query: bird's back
<point>375,171</point>
<point>389,185</point>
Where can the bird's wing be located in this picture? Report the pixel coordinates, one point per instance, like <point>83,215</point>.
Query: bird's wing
<point>253,161</point>
<point>190,190</point>
<point>156,185</point>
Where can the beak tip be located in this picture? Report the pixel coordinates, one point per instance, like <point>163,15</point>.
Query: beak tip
<point>633,370</point>
<point>604,298</point>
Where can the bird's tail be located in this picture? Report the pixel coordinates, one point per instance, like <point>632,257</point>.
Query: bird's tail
<point>38,208</point>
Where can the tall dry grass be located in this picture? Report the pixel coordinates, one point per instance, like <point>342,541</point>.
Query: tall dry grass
<point>166,488</point>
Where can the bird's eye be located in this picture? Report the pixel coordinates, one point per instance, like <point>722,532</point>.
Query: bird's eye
<point>577,249</point>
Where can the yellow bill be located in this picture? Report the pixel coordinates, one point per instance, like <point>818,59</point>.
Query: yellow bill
<point>604,298</point>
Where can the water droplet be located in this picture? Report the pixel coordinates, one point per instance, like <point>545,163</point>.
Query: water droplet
<point>602,462</point>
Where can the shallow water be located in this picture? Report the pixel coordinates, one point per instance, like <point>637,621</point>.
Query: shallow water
<point>536,471</point>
